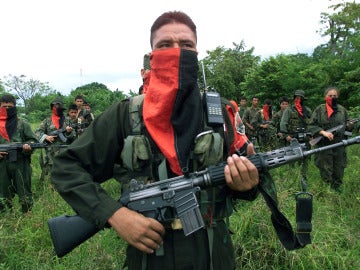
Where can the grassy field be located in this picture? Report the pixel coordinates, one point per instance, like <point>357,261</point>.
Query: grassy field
<point>25,242</point>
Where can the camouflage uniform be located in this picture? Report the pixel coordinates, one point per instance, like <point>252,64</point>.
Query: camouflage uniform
<point>247,118</point>
<point>331,163</point>
<point>15,175</point>
<point>45,128</point>
<point>294,125</point>
<point>266,136</point>
<point>242,111</point>
<point>86,117</point>
<point>276,123</point>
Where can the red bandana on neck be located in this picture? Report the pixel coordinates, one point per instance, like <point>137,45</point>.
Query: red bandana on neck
<point>55,118</point>
<point>329,107</point>
<point>3,118</point>
<point>172,105</point>
<point>298,106</point>
<point>266,112</point>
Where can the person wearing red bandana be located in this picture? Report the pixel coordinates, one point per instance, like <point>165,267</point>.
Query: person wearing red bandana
<point>45,133</point>
<point>15,170</point>
<point>294,124</point>
<point>265,129</point>
<point>331,163</point>
<point>173,139</point>
<point>295,118</point>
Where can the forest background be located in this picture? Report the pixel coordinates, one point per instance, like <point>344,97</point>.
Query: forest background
<point>24,239</point>
<point>235,72</point>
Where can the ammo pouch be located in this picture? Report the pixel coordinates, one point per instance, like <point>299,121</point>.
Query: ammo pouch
<point>137,157</point>
<point>208,150</point>
<point>214,204</point>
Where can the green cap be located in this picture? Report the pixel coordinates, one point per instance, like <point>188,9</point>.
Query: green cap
<point>300,93</point>
<point>57,101</point>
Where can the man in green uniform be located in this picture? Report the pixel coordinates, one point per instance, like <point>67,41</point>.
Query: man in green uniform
<point>242,106</point>
<point>331,163</point>
<point>248,117</point>
<point>83,115</point>
<point>172,116</point>
<point>15,170</point>
<point>54,130</point>
<point>262,122</point>
<point>294,124</point>
<point>284,103</point>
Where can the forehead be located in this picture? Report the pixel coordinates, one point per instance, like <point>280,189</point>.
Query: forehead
<point>174,31</point>
<point>332,92</point>
<point>7,104</point>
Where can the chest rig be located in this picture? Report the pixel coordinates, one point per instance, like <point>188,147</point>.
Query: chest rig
<point>143,161</point>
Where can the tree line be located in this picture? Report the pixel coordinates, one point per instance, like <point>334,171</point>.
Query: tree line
<point>236,72</point>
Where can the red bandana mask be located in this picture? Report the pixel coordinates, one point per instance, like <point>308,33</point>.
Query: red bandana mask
<point>331,106</point>
<point>8,122</point>
<point>57,117</point>
<point>298,106</point>
<point>266,112</point>
<point>172,105</point>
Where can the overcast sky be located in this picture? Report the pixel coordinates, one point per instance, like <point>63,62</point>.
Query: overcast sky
<point>70,43</point>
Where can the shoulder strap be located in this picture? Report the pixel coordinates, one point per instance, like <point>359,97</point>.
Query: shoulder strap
<point>290,240</point>
<point>135,114</point>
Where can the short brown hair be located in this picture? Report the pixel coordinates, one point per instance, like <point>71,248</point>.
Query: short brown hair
<point>172,17</point>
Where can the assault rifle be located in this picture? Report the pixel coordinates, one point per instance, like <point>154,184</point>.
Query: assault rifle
<point>319,138</point>
<point>60,132</point>
<point>12,148</point>
<point>178,193</point>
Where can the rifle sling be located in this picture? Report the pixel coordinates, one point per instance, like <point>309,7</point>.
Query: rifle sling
<point>282,226</point>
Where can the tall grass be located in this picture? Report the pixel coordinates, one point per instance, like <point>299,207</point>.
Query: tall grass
<point>25,242</point>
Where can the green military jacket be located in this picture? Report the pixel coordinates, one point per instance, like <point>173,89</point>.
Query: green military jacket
<point>249,114</point>
<point>320,121</point>
<point>291,122</point>
<point>46,127</point>
<point>23,134</point>
<point>103,144</point>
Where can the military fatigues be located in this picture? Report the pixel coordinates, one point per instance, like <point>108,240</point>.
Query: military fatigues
<point>294,125</point>
<point>276,123</point>
<point>247,118</point>
<point>242,111</point>
<point>44,130</point>
<point>15,175</point>
<point>266,136</point>
<point>85,117</point>
<point>331,163</point>
<point>186,252</point>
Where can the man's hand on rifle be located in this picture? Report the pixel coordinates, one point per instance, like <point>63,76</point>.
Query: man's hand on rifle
<point>51,139</point>
<point>240,173</point>
<point>26,148</point>
<point>2,155</point>
<point>142,232</point>
<point>326,134</point>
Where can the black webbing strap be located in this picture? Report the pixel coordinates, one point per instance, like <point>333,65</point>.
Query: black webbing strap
<point>282,226</point>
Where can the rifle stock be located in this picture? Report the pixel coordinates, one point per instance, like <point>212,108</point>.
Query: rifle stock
<point>67,232</point>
